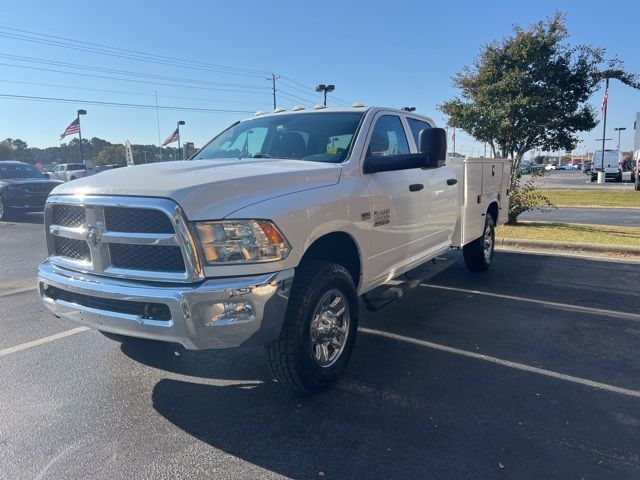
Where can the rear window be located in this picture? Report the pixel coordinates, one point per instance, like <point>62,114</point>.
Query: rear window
<point>76,166</point>
<point>416,127</point>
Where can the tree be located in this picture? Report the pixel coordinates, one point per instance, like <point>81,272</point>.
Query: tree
<point>531,90</point>
<point>113,154</point>
<point>6,151</point>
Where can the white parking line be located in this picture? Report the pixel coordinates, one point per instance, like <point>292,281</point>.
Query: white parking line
<point>41,341</point>
<point>505,363</point>
<point>564,306</point>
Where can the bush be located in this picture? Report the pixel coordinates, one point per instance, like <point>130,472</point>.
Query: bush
<point>527,197</point>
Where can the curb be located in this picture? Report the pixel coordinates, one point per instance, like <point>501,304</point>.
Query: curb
<point>568,246</point>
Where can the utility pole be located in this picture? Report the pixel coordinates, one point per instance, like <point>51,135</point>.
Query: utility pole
<point>605,102</point>
<point>273,79</point>
<point>180,122</point>
<point>619,130</point>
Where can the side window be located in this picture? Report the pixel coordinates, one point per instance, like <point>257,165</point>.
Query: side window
<point>416,127</point>
<point>388,137</point>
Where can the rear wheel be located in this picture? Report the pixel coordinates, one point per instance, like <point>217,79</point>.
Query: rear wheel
<point>478,254</point>
<point>619,177</point>
<point>319,330</point>
<point>637,183</point>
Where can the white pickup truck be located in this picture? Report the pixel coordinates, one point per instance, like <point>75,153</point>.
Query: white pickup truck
<point>269,234</point>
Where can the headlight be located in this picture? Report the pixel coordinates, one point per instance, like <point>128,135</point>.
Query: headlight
<point>241,241</point>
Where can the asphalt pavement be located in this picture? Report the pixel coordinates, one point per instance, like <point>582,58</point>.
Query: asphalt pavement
<point>529,370</point>
<point>626,217</point>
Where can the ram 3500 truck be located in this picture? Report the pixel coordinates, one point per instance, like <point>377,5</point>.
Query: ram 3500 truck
<point>269,234</point>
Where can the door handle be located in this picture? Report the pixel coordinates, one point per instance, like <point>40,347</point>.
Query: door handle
<point>451,181</point>
<point>416,187</point>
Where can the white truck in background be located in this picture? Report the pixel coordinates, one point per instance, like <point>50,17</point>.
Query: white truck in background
<point>269,234</point>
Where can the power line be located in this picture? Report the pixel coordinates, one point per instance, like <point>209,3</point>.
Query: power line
<point>118,104</point>
<point>71,87</point>
<point>125,72</point>
<point>130,79</point>
<point>124,53</point>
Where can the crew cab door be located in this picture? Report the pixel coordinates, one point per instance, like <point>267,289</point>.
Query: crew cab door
<point>400,201</point>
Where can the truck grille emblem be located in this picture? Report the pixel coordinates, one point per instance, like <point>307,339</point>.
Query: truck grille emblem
<point>93,236</point>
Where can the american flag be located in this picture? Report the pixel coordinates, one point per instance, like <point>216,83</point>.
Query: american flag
<point>603,106</point>
<point>74,127</point>
<point>174,137</point>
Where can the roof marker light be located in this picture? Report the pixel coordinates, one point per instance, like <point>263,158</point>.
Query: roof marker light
<point>258,113</point>
<point>297,108</point>
<point>358,105</point>
<point>319,107</point>
<point>279,110</point>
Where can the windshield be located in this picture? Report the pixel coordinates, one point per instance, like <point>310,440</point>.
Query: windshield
<point>18,170</point>
<point>316,137</point>
<point>76,166</point>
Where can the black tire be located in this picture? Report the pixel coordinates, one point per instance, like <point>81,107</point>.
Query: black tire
<point>6,212</point>
<point>593,179</point>
<point>291,357</point>
<point>619,177</point>
<point>476,257</point>
<point>637,183</point>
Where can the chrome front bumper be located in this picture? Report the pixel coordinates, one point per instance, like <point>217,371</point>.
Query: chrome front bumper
<point>216,313</point>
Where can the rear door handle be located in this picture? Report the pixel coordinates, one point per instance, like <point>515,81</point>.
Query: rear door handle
<point>416,187</point>
<point>451,181</point>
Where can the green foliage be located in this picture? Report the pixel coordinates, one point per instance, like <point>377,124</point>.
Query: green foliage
<point>527,197</point>
<point>111,155</point>
<point>530,90</point>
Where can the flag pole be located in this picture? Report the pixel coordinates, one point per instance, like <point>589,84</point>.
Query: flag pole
<point>80,112</point>
<point>604,122</point>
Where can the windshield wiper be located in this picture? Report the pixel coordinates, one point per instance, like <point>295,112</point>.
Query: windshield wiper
<point>261,155</point>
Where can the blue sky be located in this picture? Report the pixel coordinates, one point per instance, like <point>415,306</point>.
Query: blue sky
<point>381,53</point>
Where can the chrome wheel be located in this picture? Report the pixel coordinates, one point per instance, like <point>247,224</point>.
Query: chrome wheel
<point>329,328</point>
<point>488,243</point>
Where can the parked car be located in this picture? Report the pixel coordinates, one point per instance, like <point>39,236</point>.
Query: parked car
<point>566,166</point>
<point>68,171</point>
<point>635,172</point>
<point>612,165</point>
<point>549,167</point>
<point>270,241</point>
<point>22,189</point>
<point>587,166</point>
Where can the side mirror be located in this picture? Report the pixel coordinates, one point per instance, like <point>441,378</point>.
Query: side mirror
<point>433,144</point>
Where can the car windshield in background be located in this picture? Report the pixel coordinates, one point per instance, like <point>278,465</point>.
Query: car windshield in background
<point>316,137</point>
<point>18,170</point>
<point>76,166</point>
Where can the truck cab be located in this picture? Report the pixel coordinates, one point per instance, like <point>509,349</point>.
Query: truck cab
<point>269,234</point>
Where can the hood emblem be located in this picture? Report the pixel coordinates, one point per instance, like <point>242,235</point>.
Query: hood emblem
<point>93,236</point>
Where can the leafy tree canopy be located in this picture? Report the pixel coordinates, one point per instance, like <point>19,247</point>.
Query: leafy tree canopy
<point>531,90</point>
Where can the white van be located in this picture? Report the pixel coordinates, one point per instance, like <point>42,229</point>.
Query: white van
<point>612,165</point>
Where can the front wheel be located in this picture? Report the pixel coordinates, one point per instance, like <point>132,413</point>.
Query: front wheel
<point>5,210</point>
<point>478,254</point>
<point>319,330</point>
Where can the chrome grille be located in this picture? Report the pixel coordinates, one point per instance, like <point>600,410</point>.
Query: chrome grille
<point>146,257</point>
<point>127,237</point>
<point>74,249</point>
<point>136,220</point>
<point>68,215</point>
<point>39,187</point>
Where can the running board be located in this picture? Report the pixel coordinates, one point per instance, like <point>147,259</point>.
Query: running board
<point>394,289</point>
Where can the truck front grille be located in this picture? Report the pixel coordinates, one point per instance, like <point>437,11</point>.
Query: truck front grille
<point>136,220</point>
<point>68,215</point>
<point>71,248</point>
<point>147,257</point>
<point>121,236</point>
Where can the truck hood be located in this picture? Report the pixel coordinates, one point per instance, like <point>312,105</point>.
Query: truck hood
<point>209,189</point>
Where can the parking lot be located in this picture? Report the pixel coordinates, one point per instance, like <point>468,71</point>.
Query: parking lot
<point>531,370</point>
<point>577,179</point>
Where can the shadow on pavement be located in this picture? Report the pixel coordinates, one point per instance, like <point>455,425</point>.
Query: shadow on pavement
<point>33,218</point>
<point>405,411</point>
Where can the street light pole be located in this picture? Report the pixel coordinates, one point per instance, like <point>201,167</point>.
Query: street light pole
<point>619,130</point>
<point>180,122</point>
<point>325,89</point>
<point>80,112</point>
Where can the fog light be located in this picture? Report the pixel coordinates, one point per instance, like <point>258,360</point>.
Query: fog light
<point>225,313</point>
